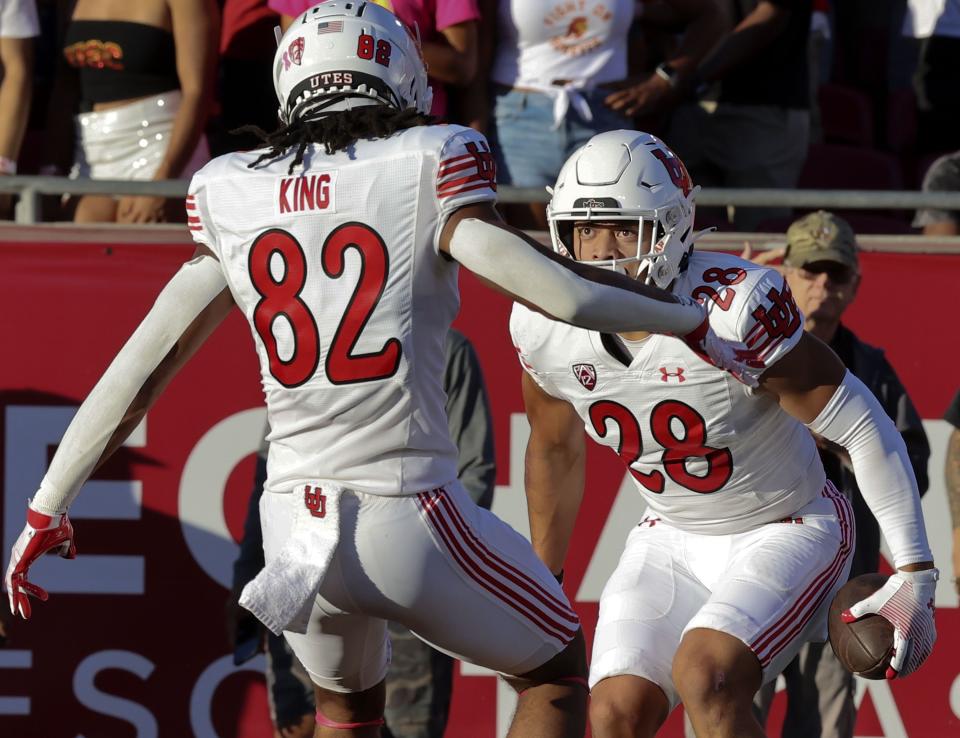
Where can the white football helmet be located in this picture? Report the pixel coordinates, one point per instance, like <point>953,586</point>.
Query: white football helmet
<point>346,54</point>
<point>633,176</point>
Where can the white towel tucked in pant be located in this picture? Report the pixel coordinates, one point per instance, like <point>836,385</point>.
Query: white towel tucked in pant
<point>282,594</point>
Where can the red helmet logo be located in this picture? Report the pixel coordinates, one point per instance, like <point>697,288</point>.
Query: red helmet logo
<point>295,50</point>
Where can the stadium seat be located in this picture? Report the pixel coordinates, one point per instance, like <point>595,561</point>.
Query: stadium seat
<point>846,116</point>
<point>901,120</point>
<point>836,167</point>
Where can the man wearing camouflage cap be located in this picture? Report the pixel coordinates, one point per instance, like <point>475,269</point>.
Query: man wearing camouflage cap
<point>822,267</point>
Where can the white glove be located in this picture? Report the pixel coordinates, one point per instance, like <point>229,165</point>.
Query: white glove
<point>906,601</point>
<point>730,356</point>
<point>41,534</point>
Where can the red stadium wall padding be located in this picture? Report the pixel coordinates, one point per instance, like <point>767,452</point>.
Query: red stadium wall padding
<point>132,641</point>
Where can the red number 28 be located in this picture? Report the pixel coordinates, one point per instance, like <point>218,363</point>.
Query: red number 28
<point>678,450</point>
<point>726,277</point>
<point>281,298</point>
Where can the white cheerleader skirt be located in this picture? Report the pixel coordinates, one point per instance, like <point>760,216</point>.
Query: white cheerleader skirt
<point>130,141</point>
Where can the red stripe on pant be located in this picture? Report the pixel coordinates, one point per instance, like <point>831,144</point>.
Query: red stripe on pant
<point>784,630</point>
<point>468,563</point>
<point>491,563</point>
<point>503,567</point>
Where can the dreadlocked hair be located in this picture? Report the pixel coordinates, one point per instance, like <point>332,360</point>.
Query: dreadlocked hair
<point>336,130</point>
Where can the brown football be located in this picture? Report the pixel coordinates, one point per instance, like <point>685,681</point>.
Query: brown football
<point>864,647</point>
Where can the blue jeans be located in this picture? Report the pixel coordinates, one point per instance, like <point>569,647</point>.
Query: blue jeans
<point>528,151</point>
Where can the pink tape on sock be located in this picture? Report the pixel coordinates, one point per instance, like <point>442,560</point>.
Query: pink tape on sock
<point>328,723</point>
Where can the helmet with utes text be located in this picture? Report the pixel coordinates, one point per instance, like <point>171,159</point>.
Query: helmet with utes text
<point>345,54</point>
<point>630,176</point>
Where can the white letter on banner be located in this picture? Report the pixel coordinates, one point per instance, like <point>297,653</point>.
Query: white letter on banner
<point>106,704</point>
<point>15,660</point>
<point>955,696</point>
<point>202,488</point>
<point>883,702</point>
<point>201,719</point>
<point>510,500</point>
<point>31,430</point>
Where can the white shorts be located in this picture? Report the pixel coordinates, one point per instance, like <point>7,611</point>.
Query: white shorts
<point>770,587</point>
<point>130,141</point>
<point>453,573</point>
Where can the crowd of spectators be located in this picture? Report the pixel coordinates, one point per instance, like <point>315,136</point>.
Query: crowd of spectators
<point>750,93</point>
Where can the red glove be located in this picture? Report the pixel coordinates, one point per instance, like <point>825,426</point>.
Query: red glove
<point>730,356</point>
<point>41,534</point>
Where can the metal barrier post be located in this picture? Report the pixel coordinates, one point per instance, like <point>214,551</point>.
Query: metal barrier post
<point>27,210</point>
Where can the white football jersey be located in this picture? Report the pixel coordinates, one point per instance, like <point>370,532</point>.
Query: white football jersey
<point>337,269</point>
<point>708,454</point>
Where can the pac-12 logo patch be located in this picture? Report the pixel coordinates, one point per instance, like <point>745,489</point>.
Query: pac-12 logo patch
<point>586,374</point>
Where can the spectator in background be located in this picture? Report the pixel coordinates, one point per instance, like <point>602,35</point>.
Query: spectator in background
<point>952,472</point>
<point>420,679</point>
<point>755,132</point>
<point>141,75</point>
<point>18,27</point>
<point>448,36</point>
<point>936,24</point>
<point>558,76</point>
<point>245,83</point>
<point>942,176</point>
<point>823,271</point>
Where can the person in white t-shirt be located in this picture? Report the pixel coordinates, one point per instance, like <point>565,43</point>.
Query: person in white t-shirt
<point>558,75</point>
<point>744,541</point>
<point>340,242</point>
<point>18,27</point>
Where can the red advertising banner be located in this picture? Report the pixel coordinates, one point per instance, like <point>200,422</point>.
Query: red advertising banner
<point>132,641</point>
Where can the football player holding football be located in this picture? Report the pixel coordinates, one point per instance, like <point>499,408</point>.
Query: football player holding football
<point>744,541</point>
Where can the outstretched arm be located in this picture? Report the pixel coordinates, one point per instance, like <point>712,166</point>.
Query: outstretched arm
<point>192,304</point>
<point>512,263</point>
<point>189,308</point>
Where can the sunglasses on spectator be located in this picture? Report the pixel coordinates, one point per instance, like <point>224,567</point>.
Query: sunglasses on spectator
<point>836,273</point>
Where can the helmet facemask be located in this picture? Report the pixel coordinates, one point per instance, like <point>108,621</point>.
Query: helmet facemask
<point>628,176</point>
<point>661,237</point>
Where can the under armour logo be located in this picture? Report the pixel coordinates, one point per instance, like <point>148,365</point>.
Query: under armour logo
<point>586,374</point>
<point>315,501</point>
<point>665,375</point>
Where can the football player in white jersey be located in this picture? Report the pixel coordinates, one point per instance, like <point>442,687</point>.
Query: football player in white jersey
<point>339,242</point>
<point>744,541</point>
